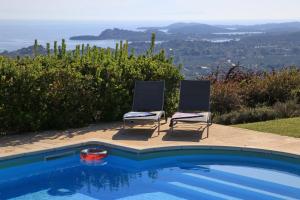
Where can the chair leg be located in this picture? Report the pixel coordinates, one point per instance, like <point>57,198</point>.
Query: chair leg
<point>166,120</point>
<point>124,124</point>
<point>207,130</point>
<point>158,126</point>
<point>172,127</point>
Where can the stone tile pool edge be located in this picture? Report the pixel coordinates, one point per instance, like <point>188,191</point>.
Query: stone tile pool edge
<point>264,153</point>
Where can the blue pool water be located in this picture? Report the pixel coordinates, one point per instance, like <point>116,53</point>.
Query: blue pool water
<point>192,176</point>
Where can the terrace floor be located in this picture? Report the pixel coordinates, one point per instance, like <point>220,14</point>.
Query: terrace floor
<point>143,138</point>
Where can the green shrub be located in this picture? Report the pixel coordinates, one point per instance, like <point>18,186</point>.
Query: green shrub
<point>269,88</point>
<point>71,90</point>
<point>296,94</point>
<point>246,115</point>
<point>253,89</point>
<point>288,109</point>
<point>225,97</point>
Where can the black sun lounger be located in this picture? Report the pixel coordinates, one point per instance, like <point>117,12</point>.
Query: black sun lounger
<point>194,104</point>
<point>148,102</point>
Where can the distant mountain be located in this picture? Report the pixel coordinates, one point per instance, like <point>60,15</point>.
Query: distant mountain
<point>28,51</point>
<point>121,34</point>
<point>188,31</point>
<point>270,27</point>
<point>175,31</point>
<point>132,35</point>
<point>198,28</point>
<point>290,37</point>
<point>85,37</point>
<point>194,28</point>
<point>188,28</point>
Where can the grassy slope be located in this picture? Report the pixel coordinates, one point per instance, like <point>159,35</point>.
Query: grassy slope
<point>288,127</point>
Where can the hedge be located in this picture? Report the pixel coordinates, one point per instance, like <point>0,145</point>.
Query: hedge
<point>72,89</point>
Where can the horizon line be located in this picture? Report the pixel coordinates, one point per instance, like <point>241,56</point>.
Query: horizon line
<point>215,22</point>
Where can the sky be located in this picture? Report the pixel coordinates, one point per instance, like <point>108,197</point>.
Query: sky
<point>150,10</point>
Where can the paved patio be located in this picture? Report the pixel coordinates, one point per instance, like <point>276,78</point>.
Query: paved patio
<point>143,138</point>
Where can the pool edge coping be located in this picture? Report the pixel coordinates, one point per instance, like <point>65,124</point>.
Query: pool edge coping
<point>151,149</point>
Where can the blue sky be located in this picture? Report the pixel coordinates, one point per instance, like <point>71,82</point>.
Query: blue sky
<point>153,10</point>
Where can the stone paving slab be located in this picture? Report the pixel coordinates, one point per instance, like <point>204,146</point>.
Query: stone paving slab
<point>142,138</point>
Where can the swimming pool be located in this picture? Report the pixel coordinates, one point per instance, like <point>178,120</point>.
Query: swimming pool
<point>167,175</point>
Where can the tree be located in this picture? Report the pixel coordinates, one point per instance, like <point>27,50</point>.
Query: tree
<point>35,48</point>
<point>82,49</point>
<point>63,48</point>
<point>48,49</point>
<point>55,48</point>
<point>152,46</point>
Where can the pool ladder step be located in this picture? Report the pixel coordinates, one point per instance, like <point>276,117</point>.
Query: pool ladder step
<point>188,191</point>
<point>241,190</point>
<point>222,188</point>
<point>278,188</point>
<point>59,155</point>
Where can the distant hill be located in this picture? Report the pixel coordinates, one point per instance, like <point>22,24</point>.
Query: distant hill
<point>188,31</point>
<point>175,31</point>
<point>121,34</point>
<point>291,37</point>
<point>188,28</point>
<point>198,28</point>
<point>270,27</point>
<point>194,28</point>
<point>27,51</point>
<point>85,37</point>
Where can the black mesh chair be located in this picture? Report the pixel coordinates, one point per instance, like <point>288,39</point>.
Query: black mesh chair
<point>194,106</point>
<point>148,102</point>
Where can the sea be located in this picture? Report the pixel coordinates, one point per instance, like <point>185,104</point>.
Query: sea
<point>17,34</point>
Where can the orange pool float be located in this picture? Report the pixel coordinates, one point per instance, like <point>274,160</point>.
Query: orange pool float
<point>93,154</point>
